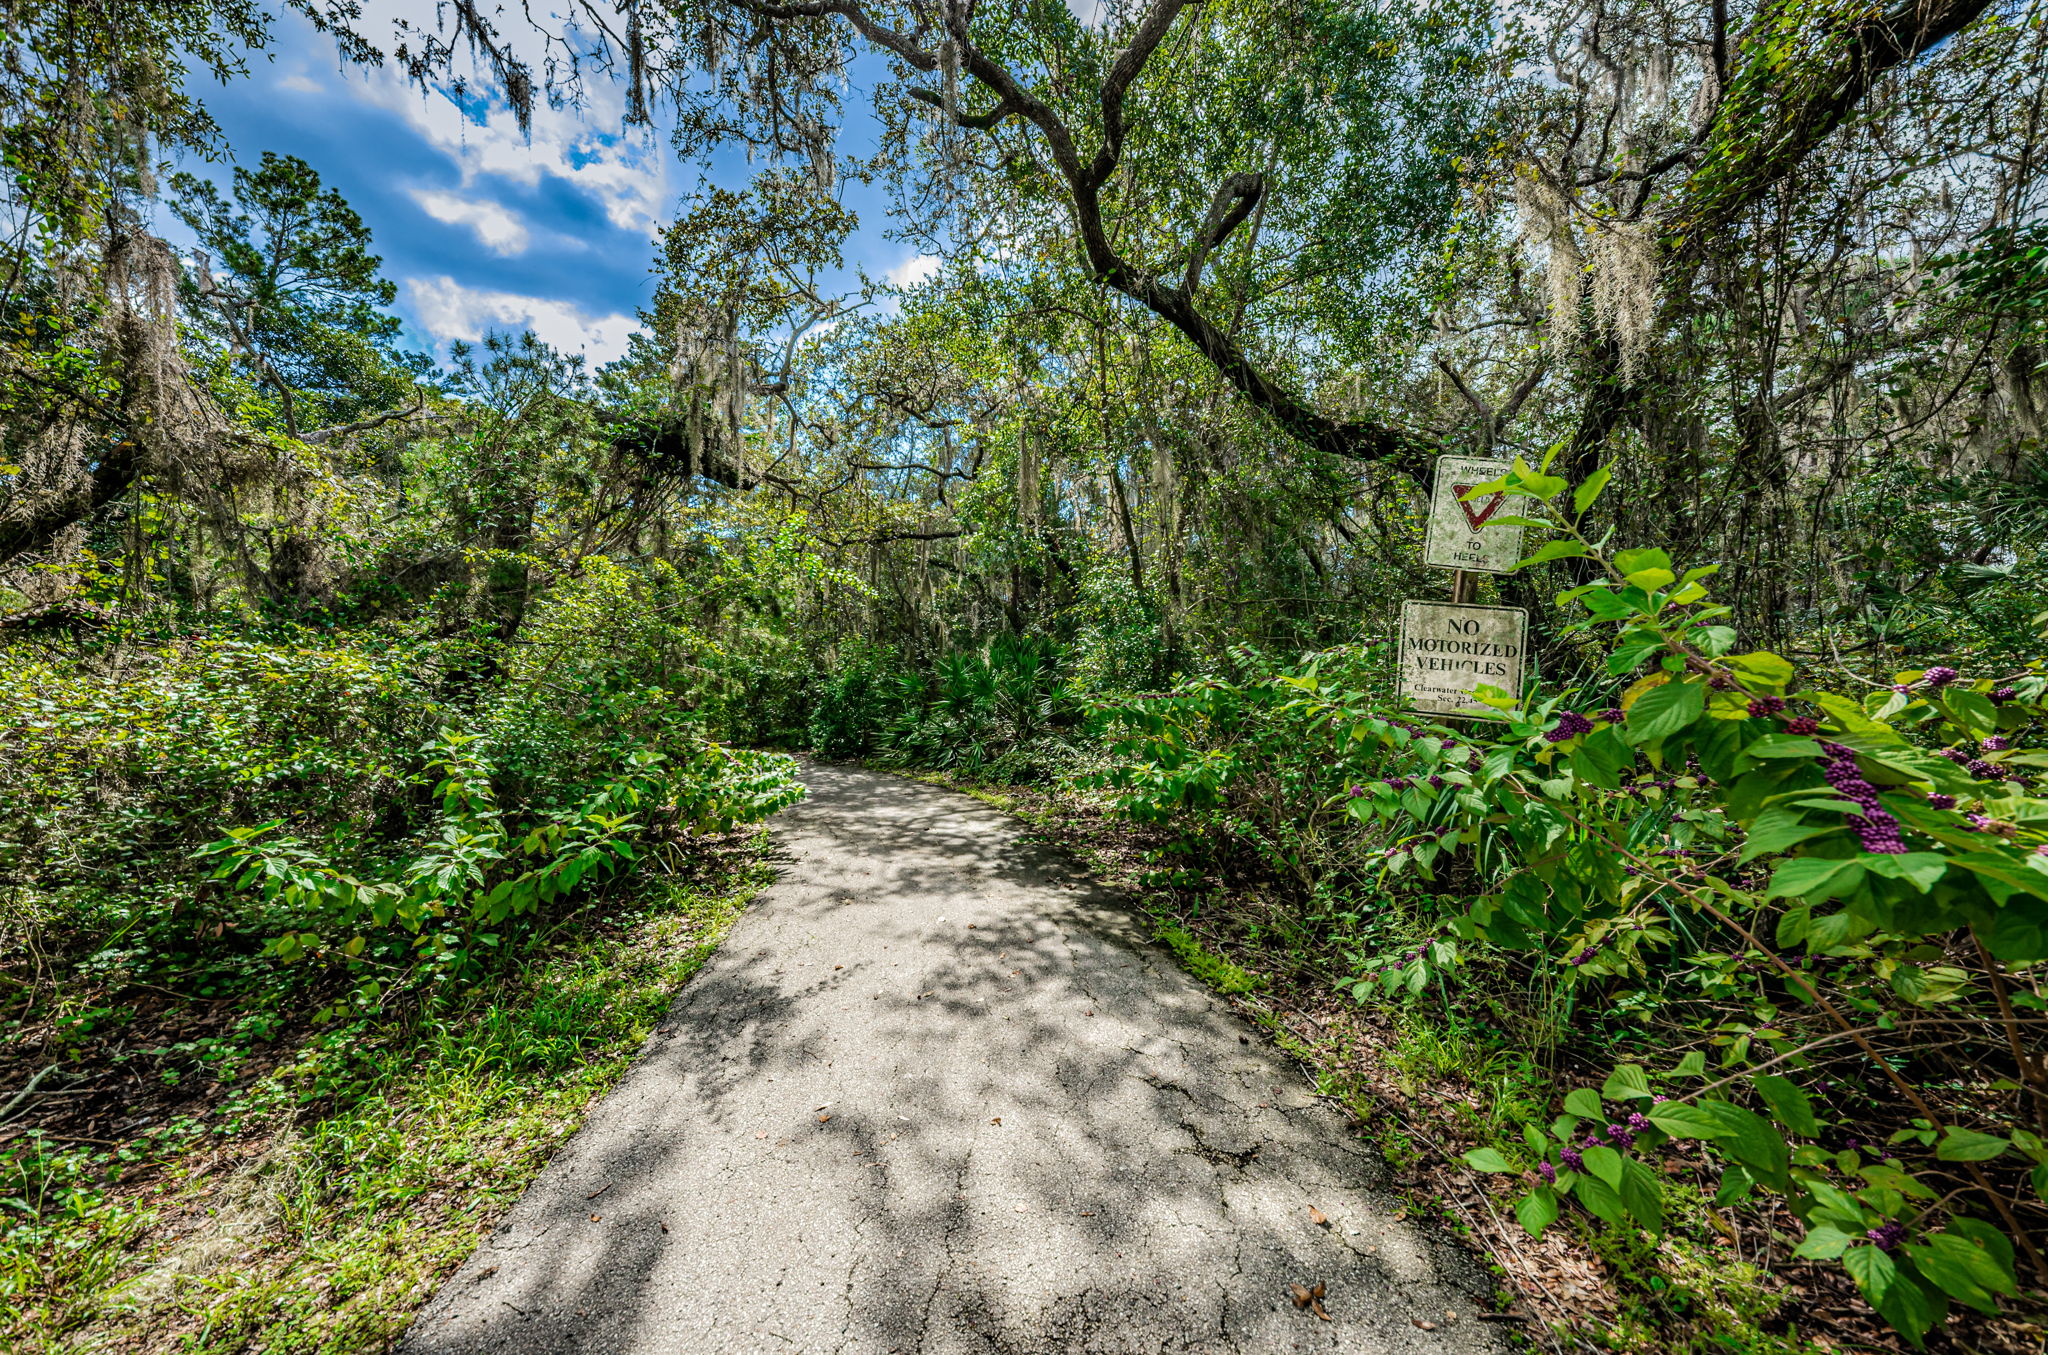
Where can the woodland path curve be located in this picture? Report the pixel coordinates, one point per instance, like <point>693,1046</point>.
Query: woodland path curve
<point>938,1093</point>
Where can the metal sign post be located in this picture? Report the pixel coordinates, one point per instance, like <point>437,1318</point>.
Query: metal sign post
<point>1450,649</point>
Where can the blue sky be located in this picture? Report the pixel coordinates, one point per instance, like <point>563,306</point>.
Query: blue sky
<point>481,226</point>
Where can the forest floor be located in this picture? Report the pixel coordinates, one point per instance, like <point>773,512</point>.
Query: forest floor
<point>248,1211</point>
<point>937,1092</point>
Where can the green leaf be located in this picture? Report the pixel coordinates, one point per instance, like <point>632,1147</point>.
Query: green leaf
<point>1789,1105</point>
<point>1584,1102</point>
<point>1537,1210</point>
<point>1962,1269</point>
<point>1973,709</point>
<point>1682,1121</point>
<point>1765,667</point>
<point>1783,745</point>
<point>1776,829</point>
<point>1967,1145</point>
<point>1604,1163</point>
<point>1553,550</point>
<point>1665,709</point>
<point>1589,490</point>
<point>1897,1299</point>
<point>1735,1186</point>
<point>1921,869</point>
<point>1643,1194</point>
<point>1488,1160</point>
<point>1823,1242</point>
<point>1891,1178</point>
<point>1813,878</point>
<point>1997,1248</point>
<point>1750,1139</point>
<point>1634,561</point>
<point>1600,1201</point>
<point>1626,1082</point>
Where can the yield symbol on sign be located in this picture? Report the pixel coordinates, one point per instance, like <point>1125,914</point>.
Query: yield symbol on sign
<point>1475,513</point>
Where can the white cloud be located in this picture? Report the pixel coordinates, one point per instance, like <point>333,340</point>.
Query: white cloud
<point>497,228</point>
<point>299,84</point>
<point>915,269</point>
<point>448,310</point>
<point>626,172</point>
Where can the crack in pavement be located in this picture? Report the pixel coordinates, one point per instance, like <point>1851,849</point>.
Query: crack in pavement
<point>1006,1166</point>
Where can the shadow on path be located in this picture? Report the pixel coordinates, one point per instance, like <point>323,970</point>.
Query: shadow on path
<point>937,1094</point>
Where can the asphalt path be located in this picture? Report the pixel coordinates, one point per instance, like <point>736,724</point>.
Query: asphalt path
<point>937,1093</point>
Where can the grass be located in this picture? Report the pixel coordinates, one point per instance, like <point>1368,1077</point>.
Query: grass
<point>325,1233</point>
<point>1223,975</point>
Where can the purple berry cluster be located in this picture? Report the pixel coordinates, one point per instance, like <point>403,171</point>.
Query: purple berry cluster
<point>1570,725</point>
<point>1614,715</point>
<point>1938,677</point>
<point>1802,725</point>
<point>1571,1159</point>
<point>1763,706</point>
<point>1997,743</point>
<point>1875,826</point>
<point>2005,695</point>
<point>1937,800</point>
<point>1887,1235</point>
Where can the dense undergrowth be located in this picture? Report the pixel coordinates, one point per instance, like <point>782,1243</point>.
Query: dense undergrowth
<point>312,955</point>
<point>306,1217</point>
<point>1729,962</point>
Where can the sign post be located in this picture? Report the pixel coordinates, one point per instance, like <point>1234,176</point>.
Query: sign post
<point>1463,534</point>
<point>1450,649</point>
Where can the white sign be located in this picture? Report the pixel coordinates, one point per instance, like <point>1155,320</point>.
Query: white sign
<point>1462,532</point>
<point>1449,648</point>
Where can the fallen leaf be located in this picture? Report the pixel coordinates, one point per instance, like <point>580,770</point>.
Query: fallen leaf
<point>997,1120</point>
<point>823,1118</point>
<point>1318,1217</point>
<point>1423,1323</point>
<point>595,1217</point>
<point>483,1274</point>
<point>600,1190</point>
<point>1302,1298</point>
<point>839,966</point>
<point>664,1227</point>
<point>762,1135</point>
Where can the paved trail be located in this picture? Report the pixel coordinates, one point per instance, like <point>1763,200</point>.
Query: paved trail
<point>937,1094</point>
